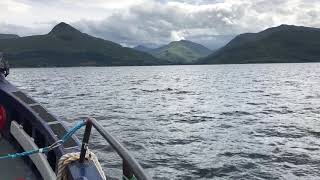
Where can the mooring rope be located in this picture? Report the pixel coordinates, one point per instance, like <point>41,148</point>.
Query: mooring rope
<point>67,159</point>
<point>48,148</point>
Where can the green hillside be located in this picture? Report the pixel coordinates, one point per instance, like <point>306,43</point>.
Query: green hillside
<point>181,52</point>
<point>282,44</point>
<point>66,46</point>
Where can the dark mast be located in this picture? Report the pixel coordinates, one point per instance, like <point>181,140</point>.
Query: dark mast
<point>4,66</point>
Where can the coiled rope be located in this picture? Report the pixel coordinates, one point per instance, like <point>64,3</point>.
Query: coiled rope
<point>66,159</point>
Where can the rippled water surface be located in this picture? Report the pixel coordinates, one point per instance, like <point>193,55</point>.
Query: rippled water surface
<point>194,122</point>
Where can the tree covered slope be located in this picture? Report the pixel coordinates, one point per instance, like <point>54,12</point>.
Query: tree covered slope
<point>66,46</point>
<point>282,44</point>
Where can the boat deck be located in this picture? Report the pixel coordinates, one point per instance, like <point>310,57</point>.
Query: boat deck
<point>15,169</point>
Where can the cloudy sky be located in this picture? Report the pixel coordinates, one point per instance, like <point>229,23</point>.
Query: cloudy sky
<point>132,22</point>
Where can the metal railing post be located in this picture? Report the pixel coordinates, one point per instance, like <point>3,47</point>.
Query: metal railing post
<point>85,140</point>
<point>127,172</point>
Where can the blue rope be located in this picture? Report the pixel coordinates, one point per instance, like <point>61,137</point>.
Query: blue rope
<point>48,148</point>
<point>78,126</point>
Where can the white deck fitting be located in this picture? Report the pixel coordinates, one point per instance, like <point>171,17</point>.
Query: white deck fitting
<point>13,168</point>
<point>27,143</point>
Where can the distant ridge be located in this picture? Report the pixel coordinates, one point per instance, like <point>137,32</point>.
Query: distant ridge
<point>66,46</point>
<point>282,44</point>
<point>8,36</point>
<point>64,29</point>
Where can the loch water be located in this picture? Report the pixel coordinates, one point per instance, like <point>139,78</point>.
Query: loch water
<point>254,121</point>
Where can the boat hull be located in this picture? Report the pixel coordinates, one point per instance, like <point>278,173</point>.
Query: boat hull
<point>26,119</point>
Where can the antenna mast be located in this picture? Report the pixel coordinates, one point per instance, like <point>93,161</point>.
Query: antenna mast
<point>4,66</point>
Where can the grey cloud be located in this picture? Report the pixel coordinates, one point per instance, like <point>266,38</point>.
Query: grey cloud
<point>19,30</point>
<point>159,23</point>
<point>156,23</point>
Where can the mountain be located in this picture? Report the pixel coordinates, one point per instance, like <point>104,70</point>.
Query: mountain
<point>8,36</point>
<point>142,48</point>
<point>282,44</point>
<point>181,52</point>
<point>67,46</point>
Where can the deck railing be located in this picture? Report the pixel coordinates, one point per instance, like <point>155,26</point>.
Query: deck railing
<point>131,167</point>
